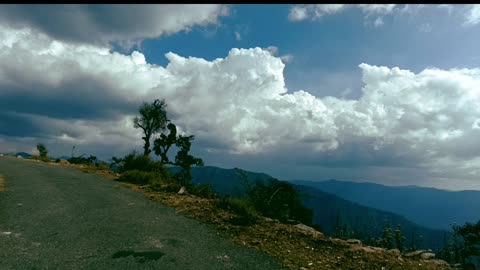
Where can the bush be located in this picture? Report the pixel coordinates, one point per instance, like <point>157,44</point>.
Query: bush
<point>142,163</point>
<point>203,191</point>
<point>245,211</point>
<point>44,159</point>
<point>140,177</point>
<point>279,200</point>
<point>91,160</point>
<point>103,166</point>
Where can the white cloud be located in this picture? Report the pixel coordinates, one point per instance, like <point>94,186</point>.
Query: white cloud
<point>239,104</point>
<point>298,13</point>
<point>314,12</point>
<point>378,22</point>
<point>380,9</point>
<point>287,58</point>
<point>472,17</point>
<point>238,36</point>
<point>101,24</point>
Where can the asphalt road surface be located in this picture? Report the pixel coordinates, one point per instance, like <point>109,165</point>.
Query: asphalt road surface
<point>54,217</point>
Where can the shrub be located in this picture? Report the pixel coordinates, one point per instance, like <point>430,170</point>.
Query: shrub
<point>140,177</point>
<point>142,163</point>
<point>102,166</point>
<point>57,160</point>
<point>91,160</point>
<point>203,191</point>
<point>279,200</point>
<point>243,209</point>
<point>156,180</point>
<point>44,159</point>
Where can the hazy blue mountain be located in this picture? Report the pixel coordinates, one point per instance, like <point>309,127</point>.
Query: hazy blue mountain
<point>224,181</point>
<point>430,207</point>
<point>23,154</point>
<point>328,208</point>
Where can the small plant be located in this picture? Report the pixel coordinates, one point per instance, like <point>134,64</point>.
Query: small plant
<point>243,209</point>
<point>91,160</point>
<point>140,177</point>
<point>103,166</point>
<point>203,191</point>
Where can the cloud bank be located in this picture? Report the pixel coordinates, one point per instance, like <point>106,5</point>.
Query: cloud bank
<point>73,94</point>
<point>102,24</point>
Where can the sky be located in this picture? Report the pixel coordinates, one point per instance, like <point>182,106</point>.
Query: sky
<point>379,93</point>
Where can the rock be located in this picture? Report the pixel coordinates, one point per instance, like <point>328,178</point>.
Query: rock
<point>427,256</point>
<point>20,157</point>
<point>414,253</point>
<point>268,219</point>
<point>395,251</point>
<point>182,190</point>
<point>292,221</point>
<point>366,249</point>
<point>308,230</point>
<point>440,262</point>
<point>1,155</point>
<point>354,242</point>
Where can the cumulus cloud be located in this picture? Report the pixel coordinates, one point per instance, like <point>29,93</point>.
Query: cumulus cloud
<point>240,105</point>
<point>101,24</point>
<point>238,36</point>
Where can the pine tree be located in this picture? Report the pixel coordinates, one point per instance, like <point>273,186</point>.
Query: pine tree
<point>399,238</point>
<point>387,238</point>
<point>412,246</point>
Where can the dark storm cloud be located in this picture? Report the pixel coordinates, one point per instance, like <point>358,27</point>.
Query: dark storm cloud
<point>82,97</point>
<point>100,24</point>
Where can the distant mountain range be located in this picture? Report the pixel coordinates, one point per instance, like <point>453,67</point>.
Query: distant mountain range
<point>22,154</point>
<point>430,207</point>
<point>329,209</point>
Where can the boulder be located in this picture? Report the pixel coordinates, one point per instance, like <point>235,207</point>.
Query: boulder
<point>427,256</point>
<point>395,251</point>
<point>367,249</point>
<point>182,190</point>
<point>354,242</point>
<point>307,230</point>
<point>415,253</point>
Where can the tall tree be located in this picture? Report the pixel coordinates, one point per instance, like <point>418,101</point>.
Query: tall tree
<point>183,159</point>
<point>399,238</point>
<point>42,149</point>
<point>387,237</point>
<point>152,119</point>
<point>162,145</point>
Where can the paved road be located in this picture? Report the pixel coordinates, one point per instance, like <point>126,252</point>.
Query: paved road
<point>61,218</point>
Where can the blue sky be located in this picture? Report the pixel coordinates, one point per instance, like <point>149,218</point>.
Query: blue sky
<point>382,93</point>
